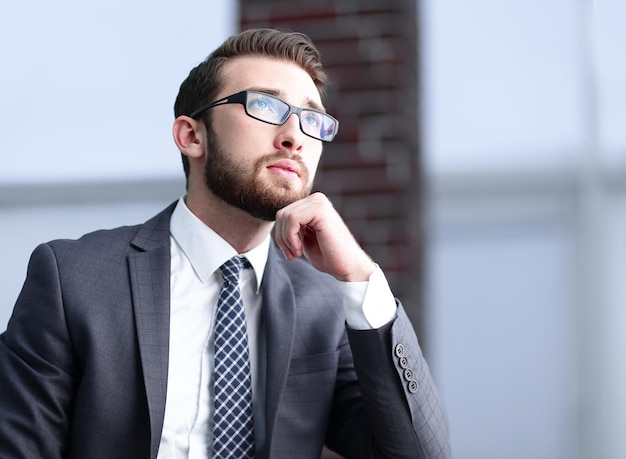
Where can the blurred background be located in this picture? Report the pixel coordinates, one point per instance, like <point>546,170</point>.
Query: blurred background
<point>481,161</point>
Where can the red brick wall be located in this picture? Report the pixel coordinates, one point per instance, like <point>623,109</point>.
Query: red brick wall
<point>371,171</point>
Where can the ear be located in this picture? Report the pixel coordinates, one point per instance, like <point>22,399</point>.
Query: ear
<point>190,136</point>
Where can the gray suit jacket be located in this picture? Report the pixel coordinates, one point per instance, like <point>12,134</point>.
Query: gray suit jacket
<point>84,360</point>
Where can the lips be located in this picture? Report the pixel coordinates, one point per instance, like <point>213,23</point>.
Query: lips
<point>285,168</point>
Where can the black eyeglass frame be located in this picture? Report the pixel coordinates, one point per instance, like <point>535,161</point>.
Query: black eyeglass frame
<point>241,97</point>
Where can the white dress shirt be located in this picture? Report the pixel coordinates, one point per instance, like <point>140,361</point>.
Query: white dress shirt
<point>197,252</point>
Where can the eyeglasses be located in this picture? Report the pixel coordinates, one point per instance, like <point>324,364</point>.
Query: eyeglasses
<point>269,109</point>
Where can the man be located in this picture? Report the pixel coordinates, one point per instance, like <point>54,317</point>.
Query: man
<point>114,347</point>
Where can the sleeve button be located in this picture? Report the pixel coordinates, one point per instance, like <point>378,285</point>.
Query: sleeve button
<point>412,386</point>
<point>399,350</point>
<point>404,362</point>
<point>408,374</point>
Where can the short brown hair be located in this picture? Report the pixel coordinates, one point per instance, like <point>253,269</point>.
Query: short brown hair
<point>203,82</point>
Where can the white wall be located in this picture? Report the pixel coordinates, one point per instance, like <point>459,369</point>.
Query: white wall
<point>87,88</point>
<point>525,150</point>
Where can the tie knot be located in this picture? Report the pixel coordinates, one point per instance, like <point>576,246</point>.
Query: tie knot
<point>231,269</point>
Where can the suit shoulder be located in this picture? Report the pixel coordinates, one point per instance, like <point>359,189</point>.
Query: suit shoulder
<point>103,239</point>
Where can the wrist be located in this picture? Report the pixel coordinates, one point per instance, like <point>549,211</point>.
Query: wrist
<point>361,273</point>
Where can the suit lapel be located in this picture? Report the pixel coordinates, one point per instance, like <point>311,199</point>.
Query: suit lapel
<point>279,318</point>
<point>150,284</point>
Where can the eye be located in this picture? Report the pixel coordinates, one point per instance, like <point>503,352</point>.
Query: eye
<point>263,104</point>
<point>312,118</point>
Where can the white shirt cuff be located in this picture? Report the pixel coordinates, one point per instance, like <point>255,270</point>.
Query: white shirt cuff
<point>368,304</point>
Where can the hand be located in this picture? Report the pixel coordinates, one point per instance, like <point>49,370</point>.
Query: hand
<point>313,228</point>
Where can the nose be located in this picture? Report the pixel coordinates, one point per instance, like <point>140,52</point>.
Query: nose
<point>290,136</point>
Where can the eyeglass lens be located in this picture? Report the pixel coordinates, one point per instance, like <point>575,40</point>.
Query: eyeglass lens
<point>273,110</point>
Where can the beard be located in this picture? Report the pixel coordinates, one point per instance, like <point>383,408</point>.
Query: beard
<point>245,188</point>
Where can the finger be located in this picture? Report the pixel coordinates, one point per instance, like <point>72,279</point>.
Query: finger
<point>280,239</point>
<point>300,221</point>
<point>288,233</point>
<point>292,224</point>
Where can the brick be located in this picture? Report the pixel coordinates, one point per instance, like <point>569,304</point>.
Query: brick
<point>371,171</point>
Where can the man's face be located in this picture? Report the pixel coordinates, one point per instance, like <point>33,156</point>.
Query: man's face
<point>252,165</point>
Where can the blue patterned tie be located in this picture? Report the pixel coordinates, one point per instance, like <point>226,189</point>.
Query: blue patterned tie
<point>233,430</point>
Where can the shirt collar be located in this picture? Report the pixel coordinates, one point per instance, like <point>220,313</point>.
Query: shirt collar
<point>206,250</point>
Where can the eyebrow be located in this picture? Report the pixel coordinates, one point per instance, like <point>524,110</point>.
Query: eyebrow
<point>281,95</point>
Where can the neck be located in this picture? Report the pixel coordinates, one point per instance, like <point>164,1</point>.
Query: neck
<point>241,230</point>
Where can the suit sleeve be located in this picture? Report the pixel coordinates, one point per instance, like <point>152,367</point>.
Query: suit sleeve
<point>37,370</point>
<point>401,414</point>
